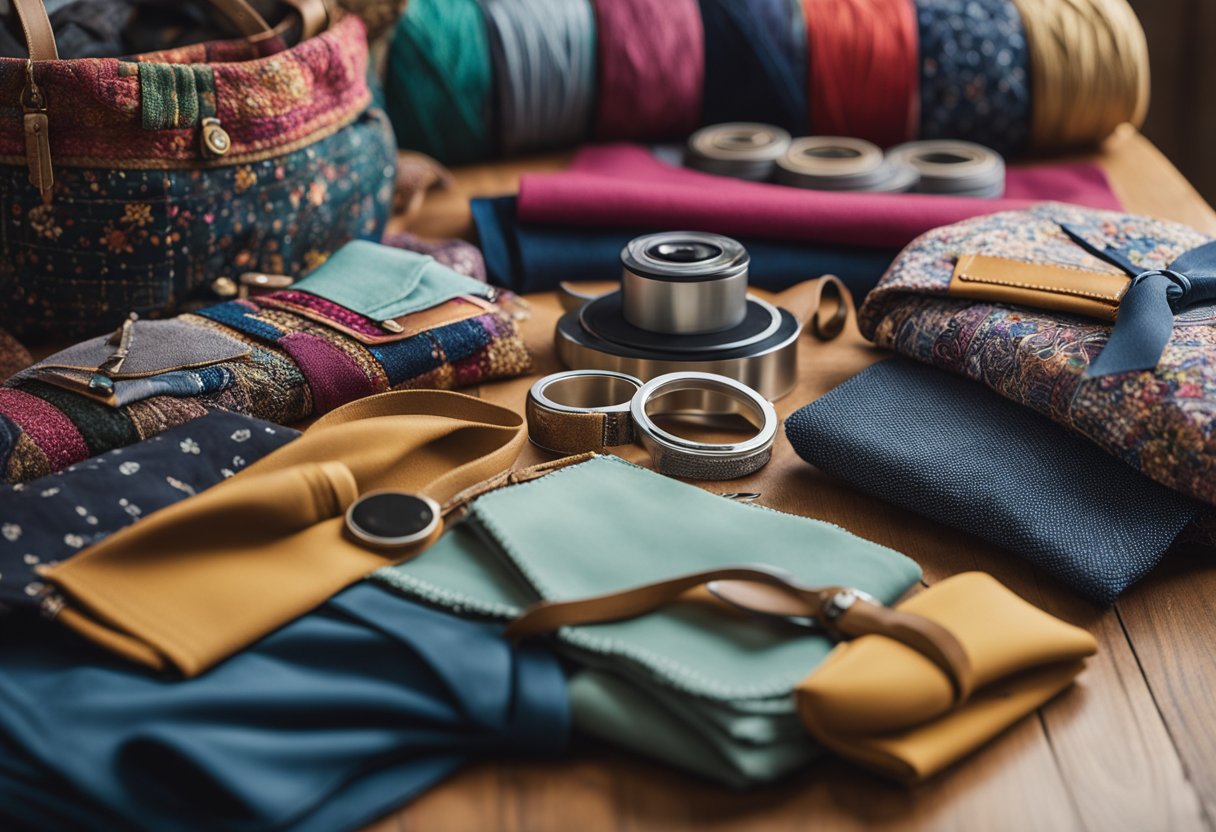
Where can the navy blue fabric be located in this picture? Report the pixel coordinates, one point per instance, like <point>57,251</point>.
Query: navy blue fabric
<point>323,725</point>
<point>958,453</point>
<point>974,75</point>
<point>527,258</point>
<point>755,63</point>
<point>51,519</point>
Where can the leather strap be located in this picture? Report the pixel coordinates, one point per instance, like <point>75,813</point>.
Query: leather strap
<point>315,17</point>
<point>767,592</point>
<point>36,26</point>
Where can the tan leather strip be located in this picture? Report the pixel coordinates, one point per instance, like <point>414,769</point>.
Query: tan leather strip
<point>1040,286</point>
<point>768,593</point>
<point>839,302</point>
<point>242,16</point>
<point>36,26</point>
<point>315,16</point>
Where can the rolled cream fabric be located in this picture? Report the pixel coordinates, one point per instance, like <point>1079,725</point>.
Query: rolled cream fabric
<point>203,579</point>
<point>880,703</point>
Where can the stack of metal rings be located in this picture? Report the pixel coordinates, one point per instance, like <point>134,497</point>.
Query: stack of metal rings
<point>953,168</point>
<point>683,306</point>
<point>743,150</point>
<point>592,410</point>
<point>839,163</point>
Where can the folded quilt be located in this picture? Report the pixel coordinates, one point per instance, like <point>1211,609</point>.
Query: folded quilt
<point>373,319</point>
<point>1161,422</point>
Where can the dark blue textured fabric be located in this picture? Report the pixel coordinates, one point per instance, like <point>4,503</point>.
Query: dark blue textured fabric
<point>526,258</point>
<point>974,78</point>
<point>323,725</point>
<point>53,518</point>
<point>755,63</point>
<point>958,453</point>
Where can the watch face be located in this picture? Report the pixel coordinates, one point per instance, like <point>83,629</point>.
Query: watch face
<point>392,518</point>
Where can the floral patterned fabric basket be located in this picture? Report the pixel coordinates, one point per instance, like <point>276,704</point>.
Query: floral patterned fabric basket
<point>143,215</point>
<point>1162,422</point>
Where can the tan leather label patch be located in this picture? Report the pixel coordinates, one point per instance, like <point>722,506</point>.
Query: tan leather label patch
<point>1057,288</point>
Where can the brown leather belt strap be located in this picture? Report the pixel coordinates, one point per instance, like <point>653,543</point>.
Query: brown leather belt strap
<point>838,610</point>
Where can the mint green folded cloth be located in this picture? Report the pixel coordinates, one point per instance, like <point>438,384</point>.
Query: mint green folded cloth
<point>716,681</point>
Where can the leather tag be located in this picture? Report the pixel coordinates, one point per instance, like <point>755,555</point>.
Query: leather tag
<point>1058,288</point>
<point>38,151</point>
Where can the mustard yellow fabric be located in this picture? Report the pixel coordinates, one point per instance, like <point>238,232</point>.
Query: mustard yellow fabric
<point>882,704</point>
<point>202,579</point>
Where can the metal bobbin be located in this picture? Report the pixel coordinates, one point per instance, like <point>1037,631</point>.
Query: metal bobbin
<point>684,282</point>
<point>743,150</point>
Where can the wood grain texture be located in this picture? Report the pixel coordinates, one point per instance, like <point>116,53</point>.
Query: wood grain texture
<point>1131,747</point>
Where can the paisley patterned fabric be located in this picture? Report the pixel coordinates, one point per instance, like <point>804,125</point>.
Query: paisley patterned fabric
<point>1161,422</point>
<point>974,78</point>
<point>297,368</point>
<point>141,219</point>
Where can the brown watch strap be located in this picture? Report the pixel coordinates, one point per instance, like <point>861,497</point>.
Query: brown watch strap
<point>767,592</point>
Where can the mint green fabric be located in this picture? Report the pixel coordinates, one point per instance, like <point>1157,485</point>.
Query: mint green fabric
<point>382,282</point>
<point>704,691</point>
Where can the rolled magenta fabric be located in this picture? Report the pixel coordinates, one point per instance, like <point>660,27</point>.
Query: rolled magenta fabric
<point>650,75</point>
<point>625,186</point>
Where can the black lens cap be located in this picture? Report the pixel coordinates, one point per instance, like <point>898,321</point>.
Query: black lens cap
<point>392,518</point>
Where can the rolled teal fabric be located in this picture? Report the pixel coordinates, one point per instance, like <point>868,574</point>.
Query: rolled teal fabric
<point>438,81</point>
<point>718,681</point>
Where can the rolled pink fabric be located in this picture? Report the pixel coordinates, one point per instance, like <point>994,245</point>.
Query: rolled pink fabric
<point>651,68</point>
<point>625,186</point>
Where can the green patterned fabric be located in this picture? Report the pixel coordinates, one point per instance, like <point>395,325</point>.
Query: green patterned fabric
<point>175,96</point>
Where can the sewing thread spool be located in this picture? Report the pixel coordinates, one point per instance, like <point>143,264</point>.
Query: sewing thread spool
<point>684,282</point>
<point>954,168</point>
<point>838,163</point>
<point>741,149</point>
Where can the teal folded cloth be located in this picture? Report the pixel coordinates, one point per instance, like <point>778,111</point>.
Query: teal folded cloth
<point>381,282</point>
<point>720,685</point>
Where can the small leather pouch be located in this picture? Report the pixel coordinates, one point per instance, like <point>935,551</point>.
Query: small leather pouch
<point>369,330</point>
<point>883,704</point>
<point>1095,294</point>
<point>155,347</point>
<point>384,283</point>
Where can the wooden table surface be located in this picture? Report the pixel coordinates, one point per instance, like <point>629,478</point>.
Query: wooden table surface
<point>1132,746</point>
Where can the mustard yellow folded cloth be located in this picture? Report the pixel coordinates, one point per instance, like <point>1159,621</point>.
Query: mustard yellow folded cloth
<point>200,580</point>
<point>884,705</point>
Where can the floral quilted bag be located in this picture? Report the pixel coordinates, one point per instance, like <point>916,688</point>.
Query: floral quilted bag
<point>145,183</point>
<point>1024,302</point>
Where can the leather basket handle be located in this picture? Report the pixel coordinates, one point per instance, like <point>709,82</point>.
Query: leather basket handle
<point>40,37</point>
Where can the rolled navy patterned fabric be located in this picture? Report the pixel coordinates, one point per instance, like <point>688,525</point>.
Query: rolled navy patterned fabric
<point>51,519</point>
<point>949,449</point>
<point>974,81</point>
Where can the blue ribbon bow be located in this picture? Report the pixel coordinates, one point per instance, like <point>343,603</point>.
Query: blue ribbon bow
<point>1147,309</point>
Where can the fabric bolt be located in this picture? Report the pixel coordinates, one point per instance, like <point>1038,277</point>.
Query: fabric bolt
<point>974,74</point>
<point>951,450</point>
<point>863,69</point>
<point>325,724</point>
<point>202,580</point>
<point>458,255</point>
<point>53,518</point>
<point>543,53</point>
<point>1159,422</point>
<point>755,63</point>
<point>651,77</point>
<point>438,83</point>
<point>699,669</point>
<point>624,186</point>
<point>527,258</point>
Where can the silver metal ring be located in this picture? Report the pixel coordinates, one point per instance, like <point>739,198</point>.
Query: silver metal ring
<point>703,395</point>
<point>581,410</point>
<point>953,167</point>
<point>684,282</point>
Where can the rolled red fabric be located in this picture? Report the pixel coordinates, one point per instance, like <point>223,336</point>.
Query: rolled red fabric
<point>863,73</point>
<point>624,186</point>
<point>651,56</point>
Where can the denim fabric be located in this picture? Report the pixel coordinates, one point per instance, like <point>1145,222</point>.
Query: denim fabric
<point>956,452</point>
